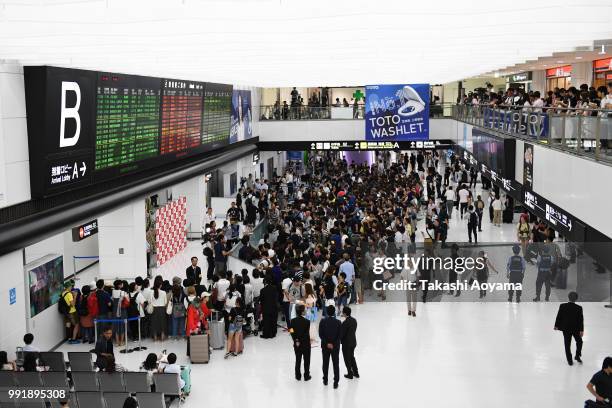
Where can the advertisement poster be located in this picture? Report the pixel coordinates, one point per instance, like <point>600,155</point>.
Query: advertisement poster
<point>242,123</point>
<point>528,166</point>
<point>397,112</point>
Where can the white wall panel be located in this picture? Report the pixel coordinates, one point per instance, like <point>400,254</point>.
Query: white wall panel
<point>123,229</point>
<point>575,184</point>
<point>12,317</point>
<point>15,135</point>
<point>12,96</point>
<point>14,164</point>
<point>17,182</point>
<point>85,247</point>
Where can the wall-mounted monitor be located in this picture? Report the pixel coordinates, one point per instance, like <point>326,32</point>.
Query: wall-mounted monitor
<point>45,283</point>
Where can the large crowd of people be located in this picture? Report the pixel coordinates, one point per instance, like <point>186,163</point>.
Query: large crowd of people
<point>584,100</point>
<point>312,264</point>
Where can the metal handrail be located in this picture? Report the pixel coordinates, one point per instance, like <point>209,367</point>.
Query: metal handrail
<point>583,131</point>
<point>305,112</point>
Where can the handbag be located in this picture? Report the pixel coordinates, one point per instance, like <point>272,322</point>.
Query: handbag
<point>387,275</point>
<point>149,308</point>
<point>125,301</point>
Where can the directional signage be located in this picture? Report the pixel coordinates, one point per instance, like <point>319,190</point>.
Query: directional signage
<point>356,145</point>
<point>83,231</point>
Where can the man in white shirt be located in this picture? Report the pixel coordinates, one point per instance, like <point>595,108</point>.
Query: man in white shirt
<point>207,218</point>
<point>285,285</point>
<point>221,285</point>
<point>330,222</point>
<point>464,194</point>
<point>538,103</point>
<point>450,201</point>
<point>257,283</point>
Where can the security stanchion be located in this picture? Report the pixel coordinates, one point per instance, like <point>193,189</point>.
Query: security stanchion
<point>127,350</point>
<point>140,346</point>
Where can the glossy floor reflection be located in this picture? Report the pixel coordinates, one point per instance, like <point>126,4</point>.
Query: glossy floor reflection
<point>460,354</point>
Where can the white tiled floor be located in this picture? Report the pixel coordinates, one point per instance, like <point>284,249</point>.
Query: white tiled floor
<point>462,355</point>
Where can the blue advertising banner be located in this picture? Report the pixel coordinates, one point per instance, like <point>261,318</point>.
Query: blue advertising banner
<point>242,116</point>
<point>397,112</point>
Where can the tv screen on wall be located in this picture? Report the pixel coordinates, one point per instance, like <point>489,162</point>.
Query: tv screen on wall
<point>45,284</point>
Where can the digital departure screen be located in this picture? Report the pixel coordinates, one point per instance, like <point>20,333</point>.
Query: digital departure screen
<point>181,121</point>
<point>216,120</point>
<point>87,126</point>
<point>127,120</point>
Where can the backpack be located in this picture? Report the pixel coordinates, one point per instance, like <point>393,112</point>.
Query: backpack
<point>83,309</point>
<point>92,304</point>
<point>545,264</point>
<point>62,305</point>
<point>515,264</point>
<point>178,308</point>
<point>133,307</point>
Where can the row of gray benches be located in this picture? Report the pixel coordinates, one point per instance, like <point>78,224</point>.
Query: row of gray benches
<point>87,399</point>
<point>93,385</point>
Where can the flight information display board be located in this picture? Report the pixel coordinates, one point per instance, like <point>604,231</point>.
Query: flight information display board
<point>127,120</point>
<point>181,122</point>
<point>87,126</point>
<point>216,119</point>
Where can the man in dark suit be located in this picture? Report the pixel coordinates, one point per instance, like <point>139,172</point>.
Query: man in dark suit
<point>329,332</point>
<point>193,271</point>
<point>300,332</point>
<point>571,322</point>
<point>349,342</point>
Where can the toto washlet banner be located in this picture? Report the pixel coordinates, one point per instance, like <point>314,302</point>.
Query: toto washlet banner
<point>397,112</point>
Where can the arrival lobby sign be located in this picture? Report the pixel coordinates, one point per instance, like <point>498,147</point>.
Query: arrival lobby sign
<point>397,112</point>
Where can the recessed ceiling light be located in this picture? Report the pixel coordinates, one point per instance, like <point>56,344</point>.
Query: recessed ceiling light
<point>559,62</point>
<point>579,57</point>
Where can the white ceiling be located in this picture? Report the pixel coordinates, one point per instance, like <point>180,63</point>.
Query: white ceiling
<point>298,42</point>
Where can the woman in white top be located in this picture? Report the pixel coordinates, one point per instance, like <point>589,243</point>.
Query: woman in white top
<point>230,299</point>
<point>159,301</point>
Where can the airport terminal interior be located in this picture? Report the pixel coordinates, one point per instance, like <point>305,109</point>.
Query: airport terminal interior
<point>279,203</point>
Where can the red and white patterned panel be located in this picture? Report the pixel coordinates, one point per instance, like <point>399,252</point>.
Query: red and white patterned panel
<point>171,220</point>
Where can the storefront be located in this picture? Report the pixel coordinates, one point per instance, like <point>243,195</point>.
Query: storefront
<point>602,72</point>
<point>559,77</point>
<point>522,80</point>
